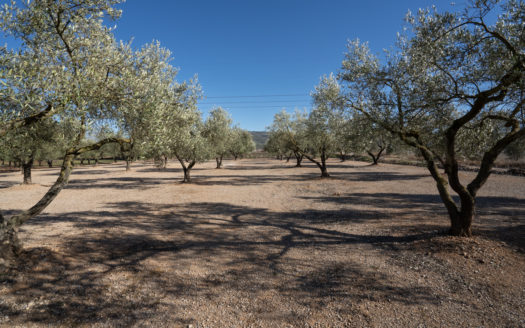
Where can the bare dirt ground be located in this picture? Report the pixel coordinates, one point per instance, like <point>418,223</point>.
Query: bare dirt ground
<point>262,244</point>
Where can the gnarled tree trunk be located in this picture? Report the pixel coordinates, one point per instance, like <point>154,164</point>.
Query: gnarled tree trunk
<point>321,165</point>
<point>298,158</point>
<point>324,170</point>
<point>26,169</point>
<point>10,245</point>
<point>186,168</point>
<point>219,162</point>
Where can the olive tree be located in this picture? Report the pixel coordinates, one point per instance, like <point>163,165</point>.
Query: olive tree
<point>274,145</point>
<point>321,130</point>
<point>218,133</point>
<point>191,147</point>
<point>25,146</point>
<point>314,136</point>
<point>68,66</point>
<point>151,81</point>
<point>368,137</point>
<point>286,135</point>
<point>454,80</point>
<point>177,129</point>
<point>280,144</point>
<point>241,143</point>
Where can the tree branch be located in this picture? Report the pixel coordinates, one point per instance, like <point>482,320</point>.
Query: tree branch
<point>60,183</point>
<point>15,124</point>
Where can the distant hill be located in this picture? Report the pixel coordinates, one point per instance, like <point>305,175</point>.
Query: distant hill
<point>260,138</point>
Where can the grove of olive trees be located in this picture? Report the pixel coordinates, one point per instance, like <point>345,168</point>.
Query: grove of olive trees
<point>315,134</point>
<point>451,88</point>
<point>70,78</point>
<point>141,202</point>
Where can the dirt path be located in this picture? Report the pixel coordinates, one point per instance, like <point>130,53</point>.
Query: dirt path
<point>263,244</point>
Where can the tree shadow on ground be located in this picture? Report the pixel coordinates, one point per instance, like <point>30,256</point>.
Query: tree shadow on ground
<point>167,170</point>
<point>251,248</point>
<point>246,180</point>
<point>89,172</point>
<point>99,169</point>
<point>8,184</point>
<point>376,176</point>
<point>51,289</point>
<point>501,217</point>
<point>9,173</point>
<point>118,183</point>
<point>107,273</point>
<point>252,167</point>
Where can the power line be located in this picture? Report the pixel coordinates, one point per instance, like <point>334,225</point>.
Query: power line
<point>259,107</point>
<point>256,102</point>
<point>260,96</point>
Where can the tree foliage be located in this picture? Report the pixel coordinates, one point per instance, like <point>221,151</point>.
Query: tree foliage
<point>452,89</point>
<point>241,142</point>
<point>70,69</point>
<point>315,135</point>
<point>218,133</point>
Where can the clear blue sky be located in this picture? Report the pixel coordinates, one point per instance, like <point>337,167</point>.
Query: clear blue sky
<point>244,48</point>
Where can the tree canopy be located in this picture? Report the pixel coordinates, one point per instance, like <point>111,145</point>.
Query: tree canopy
<point>453,87</point>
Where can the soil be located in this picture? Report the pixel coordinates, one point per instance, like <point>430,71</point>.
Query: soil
<point>262,244</point>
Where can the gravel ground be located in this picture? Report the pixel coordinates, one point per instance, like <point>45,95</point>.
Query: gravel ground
<point>262,244</point>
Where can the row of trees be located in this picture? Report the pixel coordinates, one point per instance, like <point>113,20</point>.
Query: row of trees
<point>326,130</point>
<point>452,87</point>
<point>71,89</point>
<point>178,134</point>
<point>182,134</point>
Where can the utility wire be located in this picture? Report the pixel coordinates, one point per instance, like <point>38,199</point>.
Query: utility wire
<point>259,107</point>
<point>256,102</point>
<point>261,96</point>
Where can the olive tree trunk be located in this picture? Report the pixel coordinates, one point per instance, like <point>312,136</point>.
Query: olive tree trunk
<point>219,162</point>
<point>376,157</point>
<point>10,245</point>
<point>26,169</point>
<point>186,169</point>
<point>298,158</point>
<point>320,164</point>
